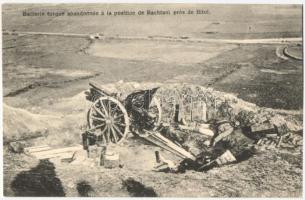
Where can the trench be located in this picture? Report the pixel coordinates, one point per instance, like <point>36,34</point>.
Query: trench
<point>46,84</point>
<point>225,75</point>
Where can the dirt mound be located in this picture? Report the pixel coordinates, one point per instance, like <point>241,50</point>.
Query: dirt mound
<point>220,105</point>
<point>19,123</point>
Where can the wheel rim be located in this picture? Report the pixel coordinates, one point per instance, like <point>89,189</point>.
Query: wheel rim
<point>108,120</point>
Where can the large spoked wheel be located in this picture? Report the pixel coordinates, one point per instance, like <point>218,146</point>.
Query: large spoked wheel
<point>108,120</point>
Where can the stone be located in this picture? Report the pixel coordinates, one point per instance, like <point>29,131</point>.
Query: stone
<point>111,159</point>
<point>16,147</point>
<point>93,151</point>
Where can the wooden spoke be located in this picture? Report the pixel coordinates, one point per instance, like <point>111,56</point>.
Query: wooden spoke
<point>122,125</point>
<point>98,111</point>
<point>117,129</point>
<point>97,118</point>
<point>114,135</point>
<point>104,130</point>
<point>99,126</point>
<point>103,105</point>
<point>119,116</point>
<point>108,133</point>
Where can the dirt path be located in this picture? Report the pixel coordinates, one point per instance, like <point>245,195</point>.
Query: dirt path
<point>179,39</point>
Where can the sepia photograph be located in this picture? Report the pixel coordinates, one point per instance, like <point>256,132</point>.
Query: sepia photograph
<point>152,100</point>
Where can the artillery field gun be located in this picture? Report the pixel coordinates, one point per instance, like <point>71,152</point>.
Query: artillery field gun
<point>110,119</point>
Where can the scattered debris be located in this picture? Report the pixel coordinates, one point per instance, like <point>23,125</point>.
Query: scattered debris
<point>216,122</point>
<point>200,128</point>
<point>282,129</point>
<point>218,149</point>
<point>226,158</point>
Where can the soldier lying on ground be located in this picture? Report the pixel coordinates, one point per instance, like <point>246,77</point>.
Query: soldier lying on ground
<point>227,144</point>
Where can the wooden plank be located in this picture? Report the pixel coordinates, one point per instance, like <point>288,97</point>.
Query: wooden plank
<point>264,128</point>
<point>165,143</point>
<point>62,155</point>
<point>32,150</point>
<point>222,135</point>
<point>45,154</point>
<point>35,147</point>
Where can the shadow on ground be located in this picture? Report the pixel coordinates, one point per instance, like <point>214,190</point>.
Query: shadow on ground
<point>84,189</point>
<point>39,181</point>
<point>137,189</point>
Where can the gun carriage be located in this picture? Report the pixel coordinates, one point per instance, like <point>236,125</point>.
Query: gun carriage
<point>110,118</point>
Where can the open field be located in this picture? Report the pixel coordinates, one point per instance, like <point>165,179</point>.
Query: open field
<point>240,69</point>
<point>251,71</point>
<point>44,77</point>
